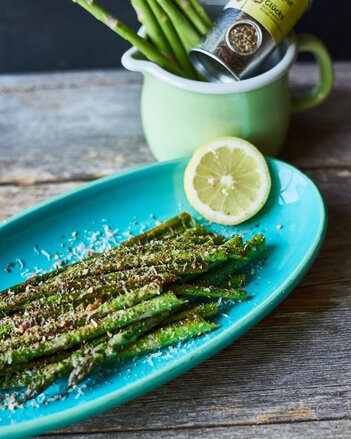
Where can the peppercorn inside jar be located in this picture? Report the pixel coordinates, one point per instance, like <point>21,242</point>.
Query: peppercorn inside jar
<point>244,37</point>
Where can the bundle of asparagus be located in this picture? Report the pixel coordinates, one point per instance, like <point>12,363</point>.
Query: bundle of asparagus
<point>173,27</point>
<point>138,297</point>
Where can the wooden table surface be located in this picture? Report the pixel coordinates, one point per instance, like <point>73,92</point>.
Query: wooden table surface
<point>289,377</point>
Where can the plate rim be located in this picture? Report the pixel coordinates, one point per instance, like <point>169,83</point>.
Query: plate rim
<point>192,358</point>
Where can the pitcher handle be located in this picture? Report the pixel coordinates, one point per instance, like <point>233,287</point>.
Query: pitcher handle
<point>317,94</point>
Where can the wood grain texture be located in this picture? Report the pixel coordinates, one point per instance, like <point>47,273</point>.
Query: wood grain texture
<point>289,377</point>
<point>312,430</point>
<point>70,130</point>
<point>321,137</point>
<point>334,262</point>
<point>293,367</point>
<point>15,198</point>
<point>85,125</point>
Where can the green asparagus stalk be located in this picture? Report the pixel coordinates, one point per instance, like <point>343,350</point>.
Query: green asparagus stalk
<point>39,381</point>
<point>17,378</point>
<point>167,336</point>
<point>34,315</point>
<point>233,249</point>
<point>26,376</point>
<point>234,281</point>
<point>173,38</point>
<point>78,318</point>
<point>32,282</point>
<point>153,29</point>
<point>167,256</point>
<point>194,18</point>
<point>205,310</point>
<point>81,362</point>
<point>84,290</point>
<point>171,334</point>
<point>60,283</point>
<point>197,230</point>
<point>220,274</point>
<point>120,259</point>
<point>47,369</point>
<point>146,48</point>
<point>37,312</point>
<point>121,252</point>
<point>210,292</point>
<point>93,358</point>
<point>40,373</point>
<point>119,282</point>
<point>191,239</point>
<point>169,228</point>
<point>92,330</point>
<point>36,364</point>
<point>188,35</point>
<point>255,246</point>
<point>113,284</point>
<point>201,12</point>
<point>153,264</point>
<point>5,329</point>
<point>181,249</point>
<point>252,249</point>
<point>198,234</point>
<point>234,246</point>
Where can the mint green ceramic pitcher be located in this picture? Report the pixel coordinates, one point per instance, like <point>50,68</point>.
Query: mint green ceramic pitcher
<point>179,115</point>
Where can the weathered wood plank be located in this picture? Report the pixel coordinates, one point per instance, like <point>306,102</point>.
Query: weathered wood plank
<point>294,366</point>
<point>79,128</point>
<point>320,137</point>
<point>14,199</point>
<point>84,125</point>
<point>335,260</point>
<point>313,430</point>
<point>29,82</point>
<point>291,369</point>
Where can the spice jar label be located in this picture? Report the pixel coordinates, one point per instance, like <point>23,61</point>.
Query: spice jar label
<point>277,16</point>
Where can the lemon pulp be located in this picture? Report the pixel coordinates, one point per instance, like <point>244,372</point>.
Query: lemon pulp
<point>227,180</point>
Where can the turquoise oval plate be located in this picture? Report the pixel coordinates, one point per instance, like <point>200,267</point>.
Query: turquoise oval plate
<point>293,221</point>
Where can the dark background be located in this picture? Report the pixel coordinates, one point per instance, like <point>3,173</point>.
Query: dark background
<point>40,35</point>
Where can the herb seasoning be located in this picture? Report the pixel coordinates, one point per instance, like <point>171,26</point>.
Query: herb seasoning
<point>244,35</point>
<point>244,38</point>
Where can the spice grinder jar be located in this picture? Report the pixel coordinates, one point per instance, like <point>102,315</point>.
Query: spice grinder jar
<point>243,36</point>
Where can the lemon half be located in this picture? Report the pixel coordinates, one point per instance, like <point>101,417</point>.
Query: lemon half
<point>227,180</point>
